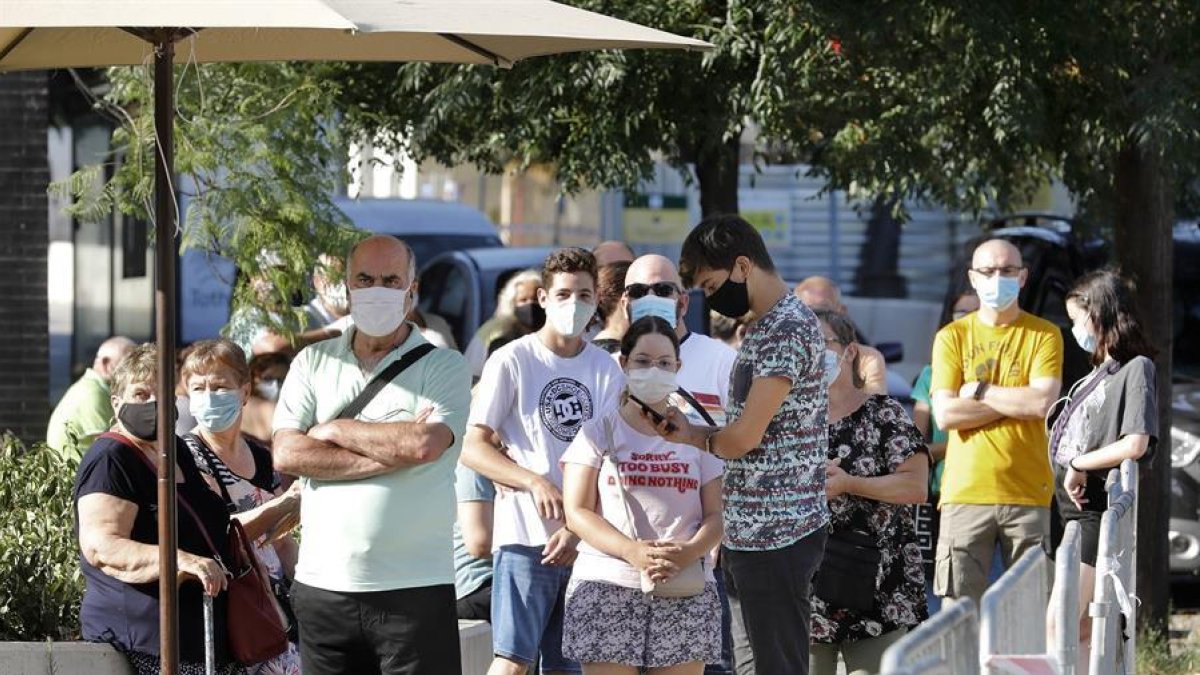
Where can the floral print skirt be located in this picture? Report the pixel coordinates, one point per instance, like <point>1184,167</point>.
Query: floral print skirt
<point>606,623</point>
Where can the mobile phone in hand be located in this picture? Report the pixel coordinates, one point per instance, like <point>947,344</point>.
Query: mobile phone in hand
<point>654,414</point>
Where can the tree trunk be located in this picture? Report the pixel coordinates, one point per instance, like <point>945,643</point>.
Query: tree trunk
<point>1145,247</point>
<point>717,173</point>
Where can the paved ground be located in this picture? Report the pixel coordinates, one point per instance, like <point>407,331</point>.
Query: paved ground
<point>1185,617</point>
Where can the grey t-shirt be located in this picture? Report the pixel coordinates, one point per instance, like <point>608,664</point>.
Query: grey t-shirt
<point>1122,405</point>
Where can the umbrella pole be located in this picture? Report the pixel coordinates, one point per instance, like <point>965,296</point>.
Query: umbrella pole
<point>164,323</point>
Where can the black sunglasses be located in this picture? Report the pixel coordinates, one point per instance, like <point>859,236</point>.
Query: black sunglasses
<point>663,289</point>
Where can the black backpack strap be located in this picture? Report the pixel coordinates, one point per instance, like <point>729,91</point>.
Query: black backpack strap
<point>382,380</point>
<point>696,404</point>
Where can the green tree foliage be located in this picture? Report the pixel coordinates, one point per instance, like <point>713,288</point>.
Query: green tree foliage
<point>258,158</point>
<point>40,582</point>
<point>976,105</point>
<point>602,119</point>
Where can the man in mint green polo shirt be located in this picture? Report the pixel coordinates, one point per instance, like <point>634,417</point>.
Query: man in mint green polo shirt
<point>374,589</point>
<point>85,410</point>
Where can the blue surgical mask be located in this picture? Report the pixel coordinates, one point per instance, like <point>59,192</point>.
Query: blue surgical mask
<point>1087,341</point>
<point>652,305</point>
<point>998,291</point>
<point>215,410</point>
<point>833,367</point>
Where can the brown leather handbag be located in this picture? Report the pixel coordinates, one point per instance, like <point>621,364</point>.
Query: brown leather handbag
<point>254,624</point>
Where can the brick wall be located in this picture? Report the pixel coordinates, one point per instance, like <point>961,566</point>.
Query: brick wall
<point>24,174</point>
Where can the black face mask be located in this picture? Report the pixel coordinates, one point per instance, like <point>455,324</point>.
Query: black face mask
<point>140,419</point>
<point>732,299</point>
<point>531,316</point>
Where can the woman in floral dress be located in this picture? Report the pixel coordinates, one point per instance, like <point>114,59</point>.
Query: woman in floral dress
<point>878,466</point>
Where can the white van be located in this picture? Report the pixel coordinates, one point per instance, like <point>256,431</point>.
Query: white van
<point>429,226</point>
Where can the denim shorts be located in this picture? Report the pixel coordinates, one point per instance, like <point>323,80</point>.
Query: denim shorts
<point>527,609</point>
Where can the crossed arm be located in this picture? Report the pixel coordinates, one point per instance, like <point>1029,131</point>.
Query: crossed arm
<point>350,449</point>
<point>959,410</point>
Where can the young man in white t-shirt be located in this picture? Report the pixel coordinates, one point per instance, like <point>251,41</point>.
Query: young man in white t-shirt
<point>534,396</point>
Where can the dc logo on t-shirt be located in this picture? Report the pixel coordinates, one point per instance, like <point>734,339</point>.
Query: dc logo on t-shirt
<point>565,405</point>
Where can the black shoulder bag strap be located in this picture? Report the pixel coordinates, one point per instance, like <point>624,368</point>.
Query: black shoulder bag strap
<point>697,405</point>
<point>201,451</point>
<point>376,385</point>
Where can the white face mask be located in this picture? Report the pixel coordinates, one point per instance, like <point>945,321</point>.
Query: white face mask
<point>651,385</point>
<point>833,366</point>
<point>268,389</point>
<point>569,318</point>
<point>378,311</point>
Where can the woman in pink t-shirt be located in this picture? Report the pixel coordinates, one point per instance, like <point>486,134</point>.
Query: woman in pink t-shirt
<point>619,469</point>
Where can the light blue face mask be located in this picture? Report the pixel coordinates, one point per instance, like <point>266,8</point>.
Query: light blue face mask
<point>999,292</point>
<point>833,367</point>
<point>215,410</point>
<point>652,305</point>
<point>1087,341</point>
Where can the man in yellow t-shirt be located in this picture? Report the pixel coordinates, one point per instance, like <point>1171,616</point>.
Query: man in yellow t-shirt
<point>996,372</point>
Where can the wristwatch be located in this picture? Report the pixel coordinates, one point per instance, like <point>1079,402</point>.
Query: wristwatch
<point>980,389</point>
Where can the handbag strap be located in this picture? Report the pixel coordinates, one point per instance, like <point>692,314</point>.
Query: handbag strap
<point>687,396</point>
<point>1073,403</point>
<point>610,455</point>
<point>200,450</point>
<point>179,499</point>
<point>376,385</point>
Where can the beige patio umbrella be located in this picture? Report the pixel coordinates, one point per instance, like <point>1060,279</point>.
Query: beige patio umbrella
<point>36,34</point>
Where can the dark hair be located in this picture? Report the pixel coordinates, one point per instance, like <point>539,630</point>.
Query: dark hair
<point>264,363</point>
<point>569,260</point>
<point>717,242</point>
<point>610,286</point>
<point>648,325</point>
<point>843,329</point>
<point>1108,299</point>
<point>947,316</point>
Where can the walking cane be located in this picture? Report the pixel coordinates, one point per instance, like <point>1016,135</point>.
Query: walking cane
<point>210,648</point>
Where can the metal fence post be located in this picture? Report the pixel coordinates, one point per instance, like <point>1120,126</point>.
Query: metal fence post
<point>947,643</point>
<point>1012,617</point>
<point>1065,602</point>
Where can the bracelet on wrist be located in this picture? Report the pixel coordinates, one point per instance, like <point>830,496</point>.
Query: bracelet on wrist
<point>1071,465</point>
<point>708,440</point>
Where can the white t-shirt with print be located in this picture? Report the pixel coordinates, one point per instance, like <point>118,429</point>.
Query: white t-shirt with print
<point>536,401</point>
<point>662,482</point>
<point>705,375</point>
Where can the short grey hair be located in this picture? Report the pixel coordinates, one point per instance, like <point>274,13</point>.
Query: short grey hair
<point>412,256</point>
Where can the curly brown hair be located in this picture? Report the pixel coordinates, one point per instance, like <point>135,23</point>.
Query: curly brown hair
<point>570,260</point>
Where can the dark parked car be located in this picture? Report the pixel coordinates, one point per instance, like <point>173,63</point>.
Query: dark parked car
<point>1056,256</point>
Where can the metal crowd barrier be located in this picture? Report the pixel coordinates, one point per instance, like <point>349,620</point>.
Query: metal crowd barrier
<point>1064,602</point>
<point>1012,617</point>
<point>1113,643</point>
<point>946,644</point>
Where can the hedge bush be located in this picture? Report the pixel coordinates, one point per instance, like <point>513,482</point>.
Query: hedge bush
<point>40,582</point>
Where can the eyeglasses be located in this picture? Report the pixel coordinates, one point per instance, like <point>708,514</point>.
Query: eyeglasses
<point>663,289</point>
<point>642,362</point>
<point>1005,271</point>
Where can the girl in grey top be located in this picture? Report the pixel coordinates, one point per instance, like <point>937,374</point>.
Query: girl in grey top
<point>1111,414</point>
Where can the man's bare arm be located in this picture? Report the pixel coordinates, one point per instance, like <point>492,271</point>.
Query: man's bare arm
<point>393,444</point>
<point>299,455</point>
<point>961,414</point>
<point>482,455</point>
<point>1023,403</point>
